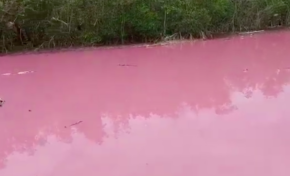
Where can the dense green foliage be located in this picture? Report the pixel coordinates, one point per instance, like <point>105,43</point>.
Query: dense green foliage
<point>63,23</point>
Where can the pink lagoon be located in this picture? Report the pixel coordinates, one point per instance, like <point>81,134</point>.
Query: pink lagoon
<point>197,108</point>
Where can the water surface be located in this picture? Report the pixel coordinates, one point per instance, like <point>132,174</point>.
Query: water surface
<point>206,108</point>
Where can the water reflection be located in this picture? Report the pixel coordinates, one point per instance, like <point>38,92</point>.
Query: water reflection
<point>204,144</point>
<point>121,107</point>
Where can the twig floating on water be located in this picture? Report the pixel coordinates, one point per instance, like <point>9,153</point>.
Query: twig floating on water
<point>127,65</point>
<point>74,124</point>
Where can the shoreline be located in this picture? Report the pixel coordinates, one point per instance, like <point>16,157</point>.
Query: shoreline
<point>137,45</point>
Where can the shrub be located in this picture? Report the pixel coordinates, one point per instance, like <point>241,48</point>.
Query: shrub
<point>27,24</point>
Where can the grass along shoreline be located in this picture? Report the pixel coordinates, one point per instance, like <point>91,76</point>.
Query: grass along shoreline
<point>27,25</point>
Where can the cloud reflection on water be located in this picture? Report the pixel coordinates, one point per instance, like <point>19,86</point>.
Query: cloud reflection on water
<point>155,140</point>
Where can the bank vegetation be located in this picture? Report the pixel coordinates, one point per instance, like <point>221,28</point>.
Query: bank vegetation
<point>44,24</point>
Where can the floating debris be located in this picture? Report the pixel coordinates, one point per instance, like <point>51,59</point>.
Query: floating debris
<point>127,65</point>
<point>1,102</point>
<point>74,124</point>
<point>24,72</point>
<point>6,74</point>
<point>18,73</point>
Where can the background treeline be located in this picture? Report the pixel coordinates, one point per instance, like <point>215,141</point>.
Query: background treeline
<point>38,24</point>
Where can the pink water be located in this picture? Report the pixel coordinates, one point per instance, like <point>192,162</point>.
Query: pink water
<point>206,108</point>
